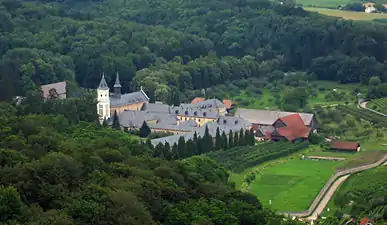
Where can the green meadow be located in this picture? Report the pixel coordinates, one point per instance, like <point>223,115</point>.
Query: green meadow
<point>292,186</point>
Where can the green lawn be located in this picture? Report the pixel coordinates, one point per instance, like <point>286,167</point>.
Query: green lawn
<point>292,186</point>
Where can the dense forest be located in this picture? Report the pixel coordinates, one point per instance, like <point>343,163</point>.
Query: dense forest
<point>54,171</point>
<point>171,47</point>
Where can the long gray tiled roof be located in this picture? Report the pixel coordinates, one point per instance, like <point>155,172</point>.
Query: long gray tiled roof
<point>131,98</point>
<point>157,108</point>
<point>132,118</point>
<point>198,113</point>
<point>211,103</point>
<point>267,117</point>
<point>186,126</point>
<point>224,123</point>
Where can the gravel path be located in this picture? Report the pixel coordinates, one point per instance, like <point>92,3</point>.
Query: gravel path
<point>327,197</point>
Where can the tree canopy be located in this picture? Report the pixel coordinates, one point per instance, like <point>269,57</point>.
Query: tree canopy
<point>53,171</point>
<point>172,47</point>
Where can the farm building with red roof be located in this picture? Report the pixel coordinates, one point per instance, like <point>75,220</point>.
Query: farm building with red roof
<point>290,127</point>
<point>366,221</point>
<point>345,146</point>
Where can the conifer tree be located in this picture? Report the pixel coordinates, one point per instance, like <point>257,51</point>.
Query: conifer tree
<point>190,148</point>
<point>116,121</point>
<point>144,130</point>
<point>182,151</point>
<point>247,137</point>
<point>230,139</point>
<point>241,137</point>
<point>218,139</point>
<point>207,141</point>
<point>149,143</point>
<point>175,152</point>
<point>198,146</point>
<point>104,123</point>
<point>224,141</point>
<point>252,137</point>
<point>159,150</point>
<point>236,139</point>
<point>167,151</point>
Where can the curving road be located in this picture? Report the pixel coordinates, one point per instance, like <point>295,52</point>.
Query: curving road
<point>329,189</point>
<point>327,197</point>
<point>363,105</point>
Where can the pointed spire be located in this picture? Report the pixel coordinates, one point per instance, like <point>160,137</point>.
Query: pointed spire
<point>117,84</point>
<point>103,85</point>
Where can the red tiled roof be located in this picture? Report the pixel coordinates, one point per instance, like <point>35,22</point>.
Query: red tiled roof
<point>295,127</point>
<point>293,120</point>
<point>366,220</point>
<point>197,99</point>
<point>344,145</point>
<point>228,103</point>
<point>292,133</point>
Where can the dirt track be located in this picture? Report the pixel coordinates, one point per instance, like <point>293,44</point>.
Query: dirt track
<point>327,197</point>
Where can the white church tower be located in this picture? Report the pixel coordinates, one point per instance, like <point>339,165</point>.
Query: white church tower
<point>103,106</point>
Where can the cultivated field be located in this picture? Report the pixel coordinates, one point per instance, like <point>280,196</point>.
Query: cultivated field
<point>291,183</point>
<point>378,105</point>
<point>292,186</point>
<point>349,15</point>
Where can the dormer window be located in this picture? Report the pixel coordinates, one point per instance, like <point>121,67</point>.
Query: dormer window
<point>195,113</point>
<point>204,114</point>
<point>186,112</point>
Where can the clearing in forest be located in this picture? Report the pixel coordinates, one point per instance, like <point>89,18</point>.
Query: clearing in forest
<point>323,3</point>
<point>349,15</point>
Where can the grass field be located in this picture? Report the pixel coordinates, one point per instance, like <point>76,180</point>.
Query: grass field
<point>323,3</point>
<point>349,15</point>
<point>292,186</point>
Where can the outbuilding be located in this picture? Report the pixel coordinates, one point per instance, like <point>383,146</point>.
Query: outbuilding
<point>345,146</point>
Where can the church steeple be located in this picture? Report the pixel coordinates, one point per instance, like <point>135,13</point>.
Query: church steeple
<point>103,85</point>
<point>117,86</point>
<point>103,98</point>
